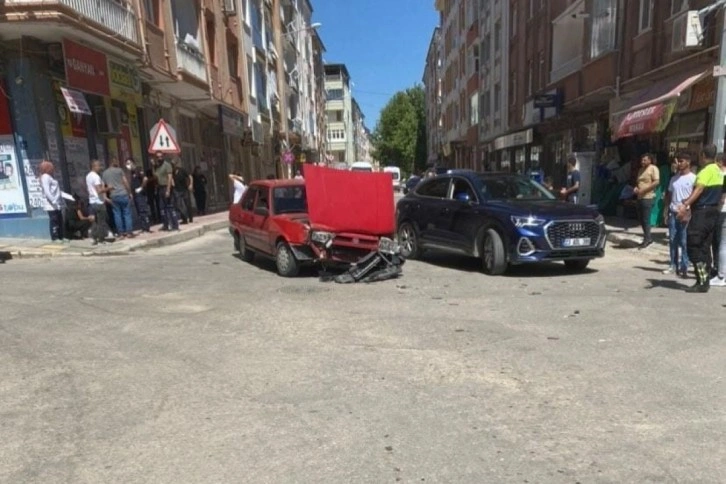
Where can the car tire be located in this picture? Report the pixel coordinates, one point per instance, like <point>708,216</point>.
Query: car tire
<point>494,258</point>
<point>408,240</point>
<point>577,265</point>
<point>244,253</point>
<point>287,264</point>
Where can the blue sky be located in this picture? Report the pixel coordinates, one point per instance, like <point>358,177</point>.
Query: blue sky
<point>382,42</point>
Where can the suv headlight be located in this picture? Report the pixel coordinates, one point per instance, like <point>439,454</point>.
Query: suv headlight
<point>322,238</point>
<point>530,221</point>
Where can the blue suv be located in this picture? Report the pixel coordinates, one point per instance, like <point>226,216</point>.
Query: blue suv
<point>502,218</point>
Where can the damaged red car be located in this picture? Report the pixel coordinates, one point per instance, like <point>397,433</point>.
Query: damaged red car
<point>332,217</point>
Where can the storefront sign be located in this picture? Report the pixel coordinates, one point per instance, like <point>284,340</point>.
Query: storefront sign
<point>12,196</point>
<point>703,95</point>
<point>652,119</point>
<point>76,101</point>
<point>515,139</point>
<point>86,69</point>
<point>545,100</point>
<point>125,83</point>
<point>233,123</point>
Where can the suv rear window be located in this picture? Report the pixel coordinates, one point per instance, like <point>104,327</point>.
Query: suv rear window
<point>437,188</point>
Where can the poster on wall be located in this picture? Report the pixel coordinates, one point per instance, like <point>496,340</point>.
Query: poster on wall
<point>78,161</point>
<point>32,181</point>
<point>12,196</point>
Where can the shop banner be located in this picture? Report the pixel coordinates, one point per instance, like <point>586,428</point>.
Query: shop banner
<point>652,119</point>
<point>86,69</point>
<point>5,126</point>
<point>76,101</point>
<point>125,83</point>
<point>32,180</point>
<point>12,196</point>
<point>78,161</point>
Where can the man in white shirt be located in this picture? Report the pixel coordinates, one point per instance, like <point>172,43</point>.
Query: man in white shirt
<point>239,187</point>
<point>97,203</point>
<point>679,189</point>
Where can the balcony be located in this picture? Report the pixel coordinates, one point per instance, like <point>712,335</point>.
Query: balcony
<point>565,69</point>
<point>191,61</point>
<point>116,17</point>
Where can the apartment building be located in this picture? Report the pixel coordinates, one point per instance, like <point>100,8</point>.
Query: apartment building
<point>432,85</point>
<point>88,80</point>
<point>339,115</point>
<point>607,78</point>
<point>361,135</point>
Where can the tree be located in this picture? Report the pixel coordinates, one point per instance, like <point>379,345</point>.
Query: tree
<point>400,135</point>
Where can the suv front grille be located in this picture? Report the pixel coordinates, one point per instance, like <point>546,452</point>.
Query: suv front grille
<point>557,232</point>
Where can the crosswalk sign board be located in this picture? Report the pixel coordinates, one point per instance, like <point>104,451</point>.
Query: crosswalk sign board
<point>163,139</point>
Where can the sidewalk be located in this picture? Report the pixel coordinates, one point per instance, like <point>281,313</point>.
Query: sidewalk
<point>627,234</point>
<point>27,248</point>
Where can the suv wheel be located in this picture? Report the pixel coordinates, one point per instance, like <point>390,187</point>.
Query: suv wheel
<point>287,265</point>
<point>577,265</point>
<point>408,240</point>
<point>494,259</point>
<point>239,243</point>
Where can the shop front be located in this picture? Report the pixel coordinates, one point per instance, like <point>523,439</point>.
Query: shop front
<point>511,152</point>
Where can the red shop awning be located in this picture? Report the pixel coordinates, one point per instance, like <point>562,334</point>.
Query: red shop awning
<point>651,119</point>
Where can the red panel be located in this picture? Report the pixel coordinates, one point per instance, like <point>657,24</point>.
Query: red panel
<point>86,68</point>
<point>348,201</point>
<point>5,126</point>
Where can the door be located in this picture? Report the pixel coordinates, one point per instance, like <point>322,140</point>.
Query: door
<point>457,220</point>
<point>429,206</point>
<point>244,216</point>
<point>260,221</point>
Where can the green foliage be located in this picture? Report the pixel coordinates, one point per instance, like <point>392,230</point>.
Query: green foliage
<point>400,135</point>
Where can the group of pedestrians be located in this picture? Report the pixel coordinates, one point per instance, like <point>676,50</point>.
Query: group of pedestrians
<point>107,215</point>
<point>695,214</point>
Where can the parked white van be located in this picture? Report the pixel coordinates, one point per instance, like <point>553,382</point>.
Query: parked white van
<point>395,176</point>
<point>361,166</point>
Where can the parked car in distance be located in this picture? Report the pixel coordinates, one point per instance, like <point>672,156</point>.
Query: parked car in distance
<point>362,166</point>
<point>411,183</point>
<point>395,176</point>
<point>502,218</point>
<point>332,216</point>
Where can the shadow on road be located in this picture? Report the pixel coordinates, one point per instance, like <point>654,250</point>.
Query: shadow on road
<point>470,264</point>
<point>666,284</point>
<point>267,264</point>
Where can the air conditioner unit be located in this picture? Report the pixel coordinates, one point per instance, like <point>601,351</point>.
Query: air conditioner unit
<point>687,31</point>
<point>229,7</point>
<point>108,120</point>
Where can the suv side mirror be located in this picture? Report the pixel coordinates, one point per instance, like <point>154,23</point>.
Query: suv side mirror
<point>262,211</point>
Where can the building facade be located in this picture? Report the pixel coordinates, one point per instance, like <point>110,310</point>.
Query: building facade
<point>608,79</point>
<point>89,80</point>
<point>339,115</point>
<point>432,85</point>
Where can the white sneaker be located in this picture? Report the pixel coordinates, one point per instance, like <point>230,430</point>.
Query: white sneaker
<point>718,282</point>
<point>670,270</point>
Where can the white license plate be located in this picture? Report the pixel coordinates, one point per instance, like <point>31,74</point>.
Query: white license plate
<point>583,242</point>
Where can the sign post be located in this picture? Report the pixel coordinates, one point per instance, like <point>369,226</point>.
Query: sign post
<point>163,139</point>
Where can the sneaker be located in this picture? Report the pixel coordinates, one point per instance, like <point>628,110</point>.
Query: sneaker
<point>670,270</point>
<point>718,282</point>
<point>698,288</point>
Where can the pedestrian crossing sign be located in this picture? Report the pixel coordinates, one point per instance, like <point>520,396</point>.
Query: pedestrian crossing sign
<point>163,139</point>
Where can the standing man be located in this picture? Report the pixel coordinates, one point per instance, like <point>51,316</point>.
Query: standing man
<point>703,206</point>
<point>200,190</point>
<point>164,175</point>
<point>648,181</point>
<point>141,202</point>
<point>571,191</point>
<point>97,203</point>
<point>679,189</point>
<point>182,192</point>
<point>121,197</point>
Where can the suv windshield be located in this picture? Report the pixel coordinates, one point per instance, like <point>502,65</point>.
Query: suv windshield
<point>513,188</point>
<point>290,199</point>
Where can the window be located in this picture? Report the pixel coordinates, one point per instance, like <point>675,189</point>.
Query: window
<point>475,56</point>
<point>514,20</point>
<point>604,25</point>
<point>474,109</point>
<point>212,41</point>
<point>437,188</point>
<point>245,12</point>
<point>497,37</point>
<point>263,198</point>
<point>152,11</point>
<point>646,15</point>
<point>678,6</point>
<point>334,94</point>
<point>486,101</point>
<point>485,48</point>
<point>513,89</point>
<point>232,61</point>
<point>248,201</point>
<point>531,9</point>
<point>497,98</point>
<point>530,75</point>
<point>540,76</point>
<point>261,85</point>
<point>251,79</point>
<point>289,199</point>
<point>463,187</point>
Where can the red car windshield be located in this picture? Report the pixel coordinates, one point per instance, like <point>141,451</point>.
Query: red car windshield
<point>290,199</point>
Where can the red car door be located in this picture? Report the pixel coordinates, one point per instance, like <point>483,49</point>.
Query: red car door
<point>260,221</point>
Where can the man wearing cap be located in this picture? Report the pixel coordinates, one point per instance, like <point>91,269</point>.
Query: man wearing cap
<point>163,172</point>
<point>703,207</point>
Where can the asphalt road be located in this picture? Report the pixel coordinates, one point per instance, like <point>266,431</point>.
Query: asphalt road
<point>186,365</point>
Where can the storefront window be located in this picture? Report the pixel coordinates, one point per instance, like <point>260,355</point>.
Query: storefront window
<point>519,160</point>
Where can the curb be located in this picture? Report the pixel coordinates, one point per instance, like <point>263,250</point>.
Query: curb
<point>171,239</point>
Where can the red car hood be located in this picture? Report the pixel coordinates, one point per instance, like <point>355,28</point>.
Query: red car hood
<point>348,201</point>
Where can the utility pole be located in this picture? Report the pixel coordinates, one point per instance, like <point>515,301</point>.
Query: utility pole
<point>718,125</point>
